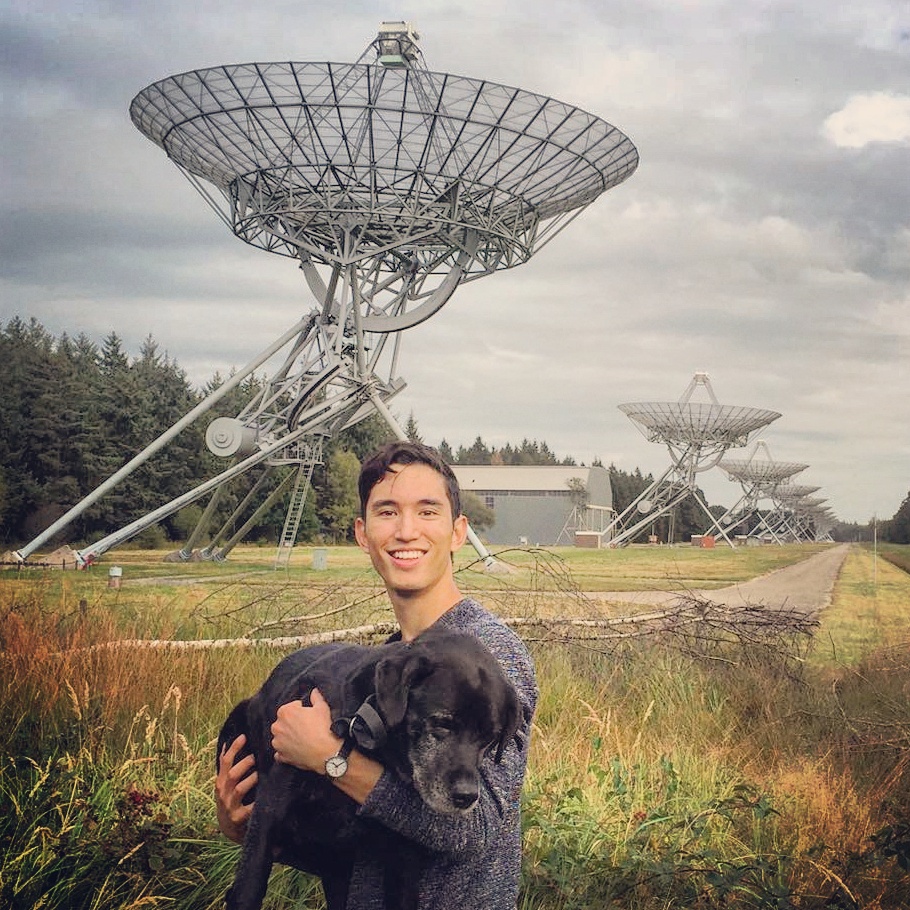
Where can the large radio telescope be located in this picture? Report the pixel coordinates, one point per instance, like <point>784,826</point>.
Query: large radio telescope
<point>390,185</point>
<point>759,475</point>
<point>697,435</point>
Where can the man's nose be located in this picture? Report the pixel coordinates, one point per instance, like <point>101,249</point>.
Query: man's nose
<point>407,525</point>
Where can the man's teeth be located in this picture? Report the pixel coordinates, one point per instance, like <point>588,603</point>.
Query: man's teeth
<point>407,554</point>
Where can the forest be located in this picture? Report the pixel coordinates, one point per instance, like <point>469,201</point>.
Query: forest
<point>75,411</point>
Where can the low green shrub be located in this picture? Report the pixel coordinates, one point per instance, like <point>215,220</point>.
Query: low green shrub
<point>581,853</point>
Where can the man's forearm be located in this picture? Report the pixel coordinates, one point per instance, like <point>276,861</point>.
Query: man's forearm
<point>361,777</point>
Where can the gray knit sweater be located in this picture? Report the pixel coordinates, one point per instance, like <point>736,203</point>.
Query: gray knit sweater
<point>475,860</point>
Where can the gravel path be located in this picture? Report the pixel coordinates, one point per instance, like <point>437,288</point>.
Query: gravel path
<point>807,586</point>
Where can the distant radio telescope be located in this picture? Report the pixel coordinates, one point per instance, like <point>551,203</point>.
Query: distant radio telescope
<point>697,435</point>
<point>794,513</point>
<point>759,476</point>
<point>389,185</point>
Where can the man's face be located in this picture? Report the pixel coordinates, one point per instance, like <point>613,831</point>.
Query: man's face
<point>409,531</point>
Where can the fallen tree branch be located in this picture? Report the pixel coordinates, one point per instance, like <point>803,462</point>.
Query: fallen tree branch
<point>694,619</point>
<point>372,630</point>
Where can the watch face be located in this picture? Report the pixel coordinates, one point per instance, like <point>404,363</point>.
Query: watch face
<point>336,766</point>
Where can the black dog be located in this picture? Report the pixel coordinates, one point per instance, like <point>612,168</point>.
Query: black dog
<point>430,710</point>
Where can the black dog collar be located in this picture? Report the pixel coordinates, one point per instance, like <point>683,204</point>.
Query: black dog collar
<point>366,727</point>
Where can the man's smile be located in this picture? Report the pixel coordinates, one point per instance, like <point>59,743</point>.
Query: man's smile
<point>406,555</point>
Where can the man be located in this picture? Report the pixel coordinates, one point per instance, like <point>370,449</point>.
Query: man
<point>411,525</point>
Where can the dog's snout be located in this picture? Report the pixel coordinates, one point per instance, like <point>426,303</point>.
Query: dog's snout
<point>464,800</point>
<point>464,794</point>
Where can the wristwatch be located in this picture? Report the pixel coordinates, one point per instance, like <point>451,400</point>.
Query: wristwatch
<point>337,765</point>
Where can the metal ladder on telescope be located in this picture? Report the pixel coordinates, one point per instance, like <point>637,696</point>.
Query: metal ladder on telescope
<point>294,514</point>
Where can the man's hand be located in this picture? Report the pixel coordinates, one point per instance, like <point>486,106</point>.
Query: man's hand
<point>302,736</point>
<point>232,783</point>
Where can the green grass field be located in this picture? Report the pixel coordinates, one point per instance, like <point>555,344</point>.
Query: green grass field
<point>676,772</point>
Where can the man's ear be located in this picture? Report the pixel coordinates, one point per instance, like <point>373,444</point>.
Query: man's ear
<point>360,534</point>
<point>459,532</point>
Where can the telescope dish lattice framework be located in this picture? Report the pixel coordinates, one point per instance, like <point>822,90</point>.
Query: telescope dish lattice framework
<point>390,185</point>
<point>759,476</point>
<point>697,435</point>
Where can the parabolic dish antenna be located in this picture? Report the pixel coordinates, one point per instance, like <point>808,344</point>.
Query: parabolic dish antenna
<point>709,426</point>
<point>820,522</point>
<point>765,474</point>
<point>793,492</point>
<point>696,434</point>
<point>806,517</point>
<point>390,185</point>
<point>346,162</point>
<point>759,476</point>
<point>811,502</point>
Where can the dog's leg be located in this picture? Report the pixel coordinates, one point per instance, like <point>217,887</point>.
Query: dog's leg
<point>402,869</point>
<point>252,876</point>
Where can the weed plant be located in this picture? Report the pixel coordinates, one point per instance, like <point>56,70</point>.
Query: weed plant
<point>663,774</point>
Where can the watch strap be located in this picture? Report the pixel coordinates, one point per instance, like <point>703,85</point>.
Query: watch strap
<point>347,747</point>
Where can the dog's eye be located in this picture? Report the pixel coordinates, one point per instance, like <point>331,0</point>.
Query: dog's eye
<point>440,727</point>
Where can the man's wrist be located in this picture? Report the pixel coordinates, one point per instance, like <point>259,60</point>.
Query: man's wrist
<point>336,765</point>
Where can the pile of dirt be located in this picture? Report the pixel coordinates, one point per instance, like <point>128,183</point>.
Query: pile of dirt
<point>62,558</point>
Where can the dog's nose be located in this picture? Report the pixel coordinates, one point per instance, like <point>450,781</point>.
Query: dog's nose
<point>464,795</point>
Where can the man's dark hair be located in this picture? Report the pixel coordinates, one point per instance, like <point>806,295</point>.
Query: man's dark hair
<point>404,453</point>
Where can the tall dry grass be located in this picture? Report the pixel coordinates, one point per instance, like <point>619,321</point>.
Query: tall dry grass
<point>107,762</point>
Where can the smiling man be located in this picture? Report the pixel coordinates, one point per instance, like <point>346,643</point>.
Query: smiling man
<point>411,525</point>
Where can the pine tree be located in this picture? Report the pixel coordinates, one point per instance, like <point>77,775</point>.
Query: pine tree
<point>342,502</point>
<point>411,429</point>
<point>897,530</point>
<point>445,451</point>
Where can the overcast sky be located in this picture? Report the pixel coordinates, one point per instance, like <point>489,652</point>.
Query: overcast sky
<point>764,239</point>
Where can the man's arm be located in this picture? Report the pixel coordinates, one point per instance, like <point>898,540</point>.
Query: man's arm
<point>302,736</point>
<point>397,805</point>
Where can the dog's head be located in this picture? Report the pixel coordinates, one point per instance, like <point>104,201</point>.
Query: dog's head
<point>450,704</point>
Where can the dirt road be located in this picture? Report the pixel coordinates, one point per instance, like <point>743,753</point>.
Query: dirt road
<point>807,586</point>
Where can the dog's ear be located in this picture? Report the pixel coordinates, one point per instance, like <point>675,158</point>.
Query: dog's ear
<point>395,675</point>
<point>360,683</point>
<point>510,715</point>
<point>236,723</point>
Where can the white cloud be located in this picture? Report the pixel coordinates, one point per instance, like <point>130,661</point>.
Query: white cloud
<point>868,118</point>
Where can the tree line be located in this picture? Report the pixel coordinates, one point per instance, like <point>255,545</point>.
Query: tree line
<point>75,411</point>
